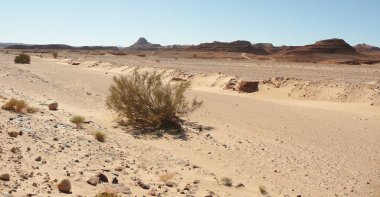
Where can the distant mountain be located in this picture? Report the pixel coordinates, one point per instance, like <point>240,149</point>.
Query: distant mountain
<point>236,46</point>
<point>143,44</point>
<point>365,48</point>
<point>7,44</point>
<point>60,47</point>
<point>330,46</point>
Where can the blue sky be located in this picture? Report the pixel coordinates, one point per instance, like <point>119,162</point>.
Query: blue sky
<point>122,22</point>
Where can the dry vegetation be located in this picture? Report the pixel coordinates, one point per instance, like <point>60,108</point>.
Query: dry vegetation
<point>100,136</point>
<point>148,102</point>
<point>78,121</point>
<point>167,177</point>
<point>19,106</point>
<point>22,59</point>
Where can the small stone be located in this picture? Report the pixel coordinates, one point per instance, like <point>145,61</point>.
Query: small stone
<point>102,178</point>
<point>5,177</point>
<point>93,181</point>
<point>13,134</point>
<point>115,181</point>
<point>38,158</point>
<point>239,185</point>
<point>64,186</point>
<point>152,192</point>
<point>119,168</point>
<point>170,184</point>
<point>143,185</point>
<point>196,181</point>
<point>125,190</point>
<point>53,106</point>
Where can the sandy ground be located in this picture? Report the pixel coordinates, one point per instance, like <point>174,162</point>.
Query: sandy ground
<point>294,137</point>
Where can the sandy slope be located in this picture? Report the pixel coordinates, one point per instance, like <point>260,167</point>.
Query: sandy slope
<point>291,146</point>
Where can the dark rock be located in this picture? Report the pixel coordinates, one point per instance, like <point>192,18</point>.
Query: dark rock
<point>64,186</point>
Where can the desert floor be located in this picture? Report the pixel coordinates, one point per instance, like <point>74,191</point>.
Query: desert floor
<point>315,135</point>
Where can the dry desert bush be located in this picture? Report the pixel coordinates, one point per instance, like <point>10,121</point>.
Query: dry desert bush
<point>55,55</point>
<point>149,102</point>
<point>167,177</point>
<point>78,121</point>
<point>100,136</point>
<point>19,106</point>
<point>226,181</point>
<point>22,59</point>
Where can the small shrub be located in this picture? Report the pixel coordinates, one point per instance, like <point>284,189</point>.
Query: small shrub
<point>263,190</point>
<point>77,120</point>
<point>226,181</point>
<point>19,106</point>
<point>148,102</point>
<point>22,59</point>
<point>55,55</point>
<point>100,136</point>
<point>167,177</point>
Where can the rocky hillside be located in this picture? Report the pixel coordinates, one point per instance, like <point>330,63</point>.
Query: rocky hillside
<point>365,48</point>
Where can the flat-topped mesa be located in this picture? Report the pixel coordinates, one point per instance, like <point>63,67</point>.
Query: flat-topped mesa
<point>330,46</point>
<point>143,44</point>
<point>241,46</point>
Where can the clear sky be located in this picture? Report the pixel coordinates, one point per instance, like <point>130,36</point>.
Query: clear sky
<point>122,22</point>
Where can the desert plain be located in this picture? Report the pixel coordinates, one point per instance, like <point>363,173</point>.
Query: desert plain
<point>311,129</point>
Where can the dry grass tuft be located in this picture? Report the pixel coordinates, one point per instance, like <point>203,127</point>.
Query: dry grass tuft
<point>19,106</point>
<point>167,177</point>
<point>148,102</point>
<point>100,136</point>
<point>226,181</point>
<point>263,190</point>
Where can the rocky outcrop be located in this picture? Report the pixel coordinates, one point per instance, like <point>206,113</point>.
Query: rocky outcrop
<point>365,48</point>
<point>142,44</point>
<point>236,46</point>
<point>330,46</point>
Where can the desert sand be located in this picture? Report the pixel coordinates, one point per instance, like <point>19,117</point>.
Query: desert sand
<point>310,130</point>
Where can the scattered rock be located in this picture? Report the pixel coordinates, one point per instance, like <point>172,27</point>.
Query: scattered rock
<point>102,178</point>
<point>75,63</point>
<point>5,177</point>
<point>53,106</point>
<point>93,181</point>
<point>239,185</point>
<point>13,134</point>
<point>248,86</point>
<point>115,181</point>
<point>143,185</point>
<point>64,186</point>
<point>38,158</point>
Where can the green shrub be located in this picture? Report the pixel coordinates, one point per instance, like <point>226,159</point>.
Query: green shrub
<point>77,120</point>
<point>22,59</point>
<point>148,102</point>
